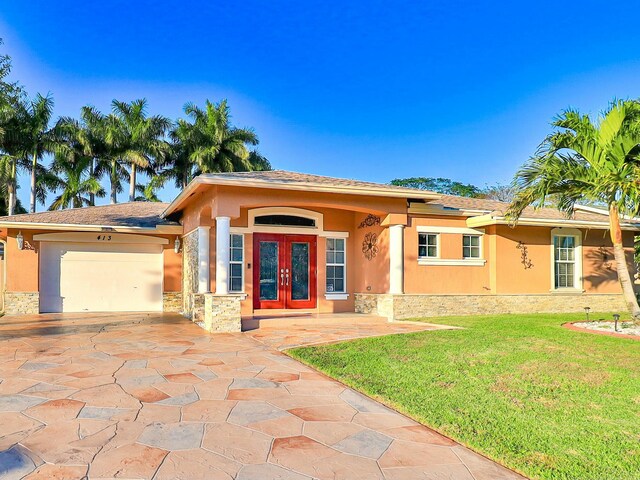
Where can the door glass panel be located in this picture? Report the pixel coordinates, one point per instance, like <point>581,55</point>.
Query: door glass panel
<point>300,271</point>
<point>268,270</point>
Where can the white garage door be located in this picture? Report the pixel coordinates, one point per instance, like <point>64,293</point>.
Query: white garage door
<point>96,277</point>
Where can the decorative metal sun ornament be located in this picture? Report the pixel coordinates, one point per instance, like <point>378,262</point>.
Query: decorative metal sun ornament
<point>370,245</point>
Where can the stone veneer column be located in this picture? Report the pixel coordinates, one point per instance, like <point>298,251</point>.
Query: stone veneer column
<point>223,232</point>
<point>396,259</point>
<point>222,313</point>
<point>204,284</point>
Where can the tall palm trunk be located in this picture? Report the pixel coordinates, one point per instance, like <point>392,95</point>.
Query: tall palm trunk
<point>132,183</point>
<point>34,164</point>
<point>114,181</point>
<point>621,263</point>
<point>92,167</point>
<point>11,188</point>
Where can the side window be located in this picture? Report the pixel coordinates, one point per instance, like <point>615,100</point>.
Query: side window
<point>428,245</point>
<point>471,246</point>
<point>236,263</point>
<point>336,265</point>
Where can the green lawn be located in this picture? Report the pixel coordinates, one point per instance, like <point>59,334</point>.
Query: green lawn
<point>546,401</point>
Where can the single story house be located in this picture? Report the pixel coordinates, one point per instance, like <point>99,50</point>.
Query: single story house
<point>235,245</point>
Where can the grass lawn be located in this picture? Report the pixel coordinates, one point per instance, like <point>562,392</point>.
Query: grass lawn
<point>543,400</point>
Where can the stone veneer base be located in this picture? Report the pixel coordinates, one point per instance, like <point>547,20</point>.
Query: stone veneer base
<point>172,302</point>
<point>400,307</point>
<point>21,303</point>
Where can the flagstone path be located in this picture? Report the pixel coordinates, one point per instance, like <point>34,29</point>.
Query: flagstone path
<point>155,397</point>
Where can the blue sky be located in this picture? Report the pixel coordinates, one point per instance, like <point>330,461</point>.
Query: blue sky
<point>370,90</point>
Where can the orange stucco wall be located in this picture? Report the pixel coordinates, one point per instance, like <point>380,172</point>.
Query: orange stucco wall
<point>504,271</point>
<point>444,278</point>
<point>22,265</point>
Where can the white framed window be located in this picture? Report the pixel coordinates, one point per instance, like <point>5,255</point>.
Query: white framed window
<point>236,263</point>
<point>336,266</point>
<point>566,259</point>
<point>428,245</point>
<point>471,246</point>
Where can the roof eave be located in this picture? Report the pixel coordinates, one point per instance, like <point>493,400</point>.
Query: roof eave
<point>167,229</point>
<point>297,186</point>
<point>486,220</point>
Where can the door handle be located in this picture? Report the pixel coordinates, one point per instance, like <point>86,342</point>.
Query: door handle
<point>287,275</point>
<point>282,276</point>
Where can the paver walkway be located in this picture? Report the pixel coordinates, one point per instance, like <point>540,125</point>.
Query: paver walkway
<point>154,396</point>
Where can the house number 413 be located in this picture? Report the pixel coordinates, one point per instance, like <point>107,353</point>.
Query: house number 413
<point>104,238</point>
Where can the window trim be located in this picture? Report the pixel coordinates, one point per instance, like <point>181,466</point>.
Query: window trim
<point>342,295</point>
<point>427,257</point>
<point>578,275</point>
<point>232,262</point>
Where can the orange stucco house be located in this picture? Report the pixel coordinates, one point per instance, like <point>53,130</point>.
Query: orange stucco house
<point>239,245</point>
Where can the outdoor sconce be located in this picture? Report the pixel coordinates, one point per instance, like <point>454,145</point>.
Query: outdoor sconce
<point>20,240</point>
<point>176,245</point>
<point>616,318</point>
<point>586,311</point>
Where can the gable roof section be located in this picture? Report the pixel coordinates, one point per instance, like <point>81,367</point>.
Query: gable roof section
<point>285,180</point>
<point>487,212</point>
<point>132,216</point>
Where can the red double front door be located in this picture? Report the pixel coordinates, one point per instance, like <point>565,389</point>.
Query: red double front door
<point>285,271</point>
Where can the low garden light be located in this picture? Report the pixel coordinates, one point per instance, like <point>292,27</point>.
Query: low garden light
<point>586,311</point>
<point>176,245</point>
<point>20,240</point>
<point>616,318</point>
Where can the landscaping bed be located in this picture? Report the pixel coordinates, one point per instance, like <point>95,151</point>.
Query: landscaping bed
<point>546,401</point>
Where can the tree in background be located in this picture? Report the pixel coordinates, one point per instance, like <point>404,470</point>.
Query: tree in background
<point>500,192</point>
<point>72,168</point>
<point>141,138</point>
<point>117,146</point>
<point>74,182</point>
<point>37,138</point>
<point>589,161</point>
<point>440,185</point>
<point>212,143</point>
<point>207,144</point>
<point>11,97</point>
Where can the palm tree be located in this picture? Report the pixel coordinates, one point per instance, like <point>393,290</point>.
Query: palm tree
<point>10,148</point>
<point>72,170</point>
<point>214,145</point>
<point>589,161</point>
<point>111,164</point>
<point>74,181</point>
<point>142,138</point>
<point>37,138</point>
<point>91,136</point>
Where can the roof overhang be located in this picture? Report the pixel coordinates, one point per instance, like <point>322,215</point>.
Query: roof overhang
<point>179,201</point>
<point>160,229</point>
<point>486,220</point>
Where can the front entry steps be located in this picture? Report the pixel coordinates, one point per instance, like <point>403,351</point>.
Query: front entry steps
<point>307,319</point>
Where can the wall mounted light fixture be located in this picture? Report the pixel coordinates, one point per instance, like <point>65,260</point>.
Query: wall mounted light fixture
<point>176,245</point>
<point>20,240</point>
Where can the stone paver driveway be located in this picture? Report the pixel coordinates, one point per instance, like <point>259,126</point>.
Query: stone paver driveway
<point>154,396</point>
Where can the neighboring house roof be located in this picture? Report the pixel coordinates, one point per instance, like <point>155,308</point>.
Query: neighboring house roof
<point>121,216</point>
<point>486,212</point>
<point>285,180</point>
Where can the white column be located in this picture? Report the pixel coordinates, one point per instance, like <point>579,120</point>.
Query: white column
<point>203,260</point>
<point>396,259</point>
<point>223,233</point>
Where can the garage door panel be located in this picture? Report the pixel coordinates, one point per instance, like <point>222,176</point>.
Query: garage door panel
<point>101,278</point>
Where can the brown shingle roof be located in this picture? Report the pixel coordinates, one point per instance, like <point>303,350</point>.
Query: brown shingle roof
<point>498,209</point>
<point>295,178</point>
<point>133,214</point>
